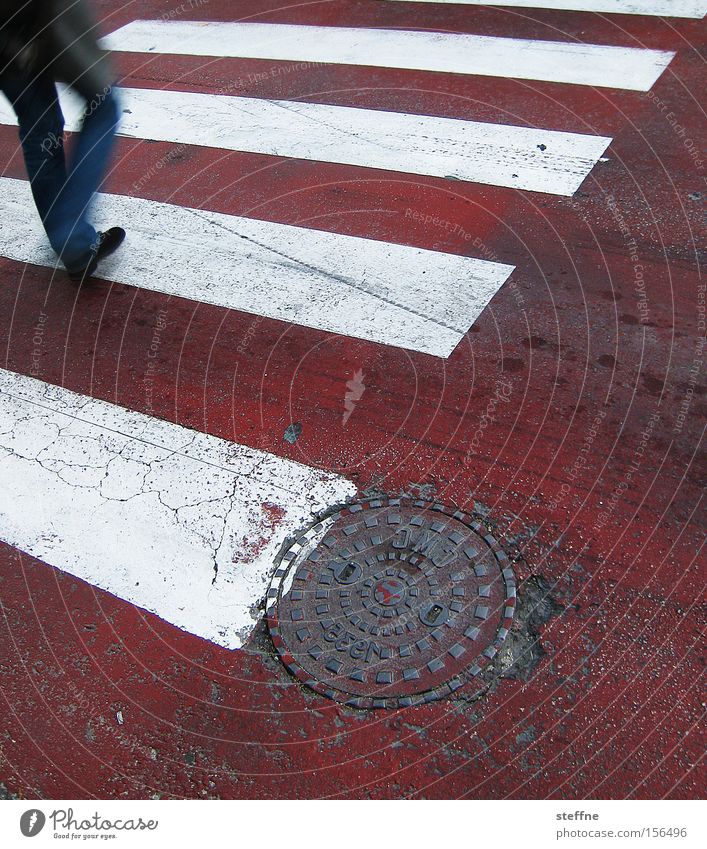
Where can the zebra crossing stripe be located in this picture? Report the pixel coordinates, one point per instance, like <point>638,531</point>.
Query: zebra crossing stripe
<point>392,294</point>
<point>158,515</point>
<point>662,8</point>
<point>550,61</point>
<point>497,154</point>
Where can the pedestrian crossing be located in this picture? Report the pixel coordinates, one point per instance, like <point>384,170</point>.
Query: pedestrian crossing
<point>663,8</point>
<point>159,515</point>
<point>391,294</point>
<point>165,517</point>
<point>495,154</point>
<point>628,68</point>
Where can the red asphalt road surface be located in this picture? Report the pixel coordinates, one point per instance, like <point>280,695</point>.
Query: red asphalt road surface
<point>612,706</point>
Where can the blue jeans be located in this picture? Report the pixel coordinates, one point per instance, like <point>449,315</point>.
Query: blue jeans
<point>62,194</point>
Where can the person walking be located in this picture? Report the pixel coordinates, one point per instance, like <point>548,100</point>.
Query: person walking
<point>43,42</point>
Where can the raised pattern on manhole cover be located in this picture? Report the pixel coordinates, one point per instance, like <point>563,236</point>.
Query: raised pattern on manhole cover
<point>391,603</point>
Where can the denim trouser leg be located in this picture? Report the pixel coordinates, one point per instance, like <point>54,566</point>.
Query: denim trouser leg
<point>62,198</point>
<point>66,224</point>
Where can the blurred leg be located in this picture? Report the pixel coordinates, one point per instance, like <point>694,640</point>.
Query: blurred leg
<point>63,199</point>
<point>85,174</point>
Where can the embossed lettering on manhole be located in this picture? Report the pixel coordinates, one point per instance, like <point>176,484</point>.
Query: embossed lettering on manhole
<point>391,603</point>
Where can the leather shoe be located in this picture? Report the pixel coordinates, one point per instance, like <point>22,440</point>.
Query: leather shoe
<point>108,242</point>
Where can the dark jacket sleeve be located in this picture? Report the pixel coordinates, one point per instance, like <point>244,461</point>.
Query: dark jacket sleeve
<point>56,37</point>
<point>69,47</point>
<point>10,8</point>
<point>16,29</point>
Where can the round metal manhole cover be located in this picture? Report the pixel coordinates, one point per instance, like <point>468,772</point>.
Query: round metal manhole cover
<point>391,603</point>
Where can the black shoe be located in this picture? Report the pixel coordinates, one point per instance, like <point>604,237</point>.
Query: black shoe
<point>108,242</point>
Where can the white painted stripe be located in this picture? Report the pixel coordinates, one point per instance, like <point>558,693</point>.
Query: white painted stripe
<point>392,294</point>
<point>663,8</point>
<point>553,61</point>
<point>498,154</point>
<point>180,523</point>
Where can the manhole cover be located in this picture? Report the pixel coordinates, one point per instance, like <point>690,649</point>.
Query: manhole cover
<point>391,603</point>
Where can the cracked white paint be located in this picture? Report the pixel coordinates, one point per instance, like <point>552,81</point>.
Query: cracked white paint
<point>392,294</point>
<point>663,8</point>
<point>552,61</point>
<point>180,523</point>
<point>497,154</point>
